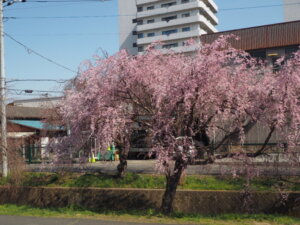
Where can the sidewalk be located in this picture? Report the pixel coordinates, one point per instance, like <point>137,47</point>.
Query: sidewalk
<point>148,167</point>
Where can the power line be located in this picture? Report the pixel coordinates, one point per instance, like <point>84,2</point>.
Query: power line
<point>256,7</point>
<point>126,15</point>
<point>29,91</point>
<point>63,1</point>
<point>40,55</point>
<point>55,1</point>
<point>66,17</point>
<point>68,34</point>
<point>36,7</point>
<point>39,80</point>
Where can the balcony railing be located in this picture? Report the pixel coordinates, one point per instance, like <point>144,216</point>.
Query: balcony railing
<point>170,37</point>
<point>178,8</point>
<point>176,22</point>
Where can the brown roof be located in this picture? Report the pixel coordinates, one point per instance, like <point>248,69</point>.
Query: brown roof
<point>17,112</point>
<point>268,36</point>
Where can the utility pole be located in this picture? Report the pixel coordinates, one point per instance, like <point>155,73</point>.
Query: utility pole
<point>2,98</point>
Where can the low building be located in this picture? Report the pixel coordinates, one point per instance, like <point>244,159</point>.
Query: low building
<point>49,102</point>
<point>28,133</point>
<point>268,42</point>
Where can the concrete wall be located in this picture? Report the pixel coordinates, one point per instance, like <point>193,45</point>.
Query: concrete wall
<point>291,10</point>
<point>203,202</point>
<point>127,11</point>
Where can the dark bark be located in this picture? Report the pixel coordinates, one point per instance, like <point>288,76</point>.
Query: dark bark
<point>171,187</point>
<point>123,155</point>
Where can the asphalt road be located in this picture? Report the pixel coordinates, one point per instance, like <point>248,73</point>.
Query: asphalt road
<point>24,220</point>
<point>148,167</point>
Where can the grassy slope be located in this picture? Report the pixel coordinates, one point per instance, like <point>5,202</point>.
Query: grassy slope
<point>148,181</point>
<point>149,216</point>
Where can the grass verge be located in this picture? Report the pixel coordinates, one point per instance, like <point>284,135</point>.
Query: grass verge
<point>149,216</point>
<point>133,180</point>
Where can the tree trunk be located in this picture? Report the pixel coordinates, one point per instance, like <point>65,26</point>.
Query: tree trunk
<point>124,149</point>
<point>171,187</point>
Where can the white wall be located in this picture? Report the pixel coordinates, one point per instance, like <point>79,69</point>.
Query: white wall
<point>127,12</point>
<point>291,12</point>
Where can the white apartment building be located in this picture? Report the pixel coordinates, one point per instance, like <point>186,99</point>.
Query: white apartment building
<point>172,22</point>
<point>291,10</point>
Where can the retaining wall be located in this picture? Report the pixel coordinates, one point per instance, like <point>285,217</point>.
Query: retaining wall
<point>203,202</point>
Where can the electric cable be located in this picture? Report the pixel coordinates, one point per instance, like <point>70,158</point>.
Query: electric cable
<point>126,15</point>
<point>38,54</point>
<point>38,80</point>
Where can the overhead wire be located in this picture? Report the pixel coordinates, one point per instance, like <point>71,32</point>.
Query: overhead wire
<point>29,91</point>
<point>38,54</point>
<point>38,80</point>
<point>126,15</point>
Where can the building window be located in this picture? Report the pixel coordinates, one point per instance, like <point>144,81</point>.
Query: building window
<point>185,1</point>
<point>140,35</point>
<point>168,46</point>
<point>169,18</point>
<point>140,49</point>
<point>185,29</point>
<point>150,34</point>
<point>140,9</point>
<point>185,15</point>
<point>134,45</point>
<point>150,21</point>
<point>258,54</point>
<point>289,50</point>
<point>150,7</point>
<point>166,5</point>
<point>139,22</point>
<point>168,32</point>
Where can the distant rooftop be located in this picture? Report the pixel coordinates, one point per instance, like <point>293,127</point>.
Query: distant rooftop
<point>17,112</point>
<point>38,102</point>
<point>267,36</point>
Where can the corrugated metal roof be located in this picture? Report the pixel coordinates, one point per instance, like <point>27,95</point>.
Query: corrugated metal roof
<point>36,124</point>
<point>19,112</point>
<point>268,36</point>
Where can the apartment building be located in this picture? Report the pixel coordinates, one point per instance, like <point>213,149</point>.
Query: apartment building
<point>172,22</point>
<point>291,10</point>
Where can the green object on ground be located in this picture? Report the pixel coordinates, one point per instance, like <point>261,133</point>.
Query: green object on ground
<point>99,156</point>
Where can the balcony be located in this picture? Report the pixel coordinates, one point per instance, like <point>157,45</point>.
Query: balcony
<point>170,37</point>
<point>142,2</point>
<point>177,22</point>
<point>212,5</point>
<point>180,49</point>
<point>181,7</point>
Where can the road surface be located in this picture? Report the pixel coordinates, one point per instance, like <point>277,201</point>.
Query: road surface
<point>27,220</point>
<point>148,167</point>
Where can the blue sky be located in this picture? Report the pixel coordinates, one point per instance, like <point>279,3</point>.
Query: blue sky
<point>73,40</point>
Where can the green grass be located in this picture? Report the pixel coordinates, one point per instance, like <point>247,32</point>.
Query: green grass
<point>133,180</point>
<point>149,216</point>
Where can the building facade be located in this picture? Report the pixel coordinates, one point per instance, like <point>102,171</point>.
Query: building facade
<point>268,42</point>
<point>172,22</point>
<point>291,10</point>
